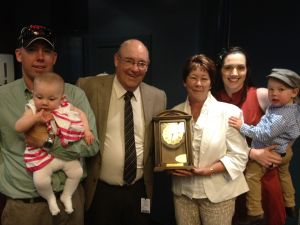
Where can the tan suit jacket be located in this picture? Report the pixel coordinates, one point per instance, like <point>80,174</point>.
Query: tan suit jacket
<point>98,91</point>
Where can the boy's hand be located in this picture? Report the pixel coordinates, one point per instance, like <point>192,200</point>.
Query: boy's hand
<point>235,122</point>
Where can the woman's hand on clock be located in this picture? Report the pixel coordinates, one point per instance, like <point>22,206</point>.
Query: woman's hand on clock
<point>203,171</point>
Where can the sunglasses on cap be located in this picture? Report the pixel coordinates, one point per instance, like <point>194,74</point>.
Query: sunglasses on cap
<point>33,33</point>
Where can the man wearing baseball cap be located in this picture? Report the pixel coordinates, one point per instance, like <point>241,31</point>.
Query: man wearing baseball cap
<point>279,126</point>
<point>36,54</point>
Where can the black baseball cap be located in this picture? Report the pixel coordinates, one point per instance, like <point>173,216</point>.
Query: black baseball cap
<point>33,33</point>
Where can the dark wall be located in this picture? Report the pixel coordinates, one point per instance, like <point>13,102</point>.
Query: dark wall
<point>66,18</point>
<point>7,29</point>
<point>269,30</point>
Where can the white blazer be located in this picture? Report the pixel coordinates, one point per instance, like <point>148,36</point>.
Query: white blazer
<point>219,142</point>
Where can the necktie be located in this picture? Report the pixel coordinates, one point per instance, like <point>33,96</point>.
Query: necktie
<point>130,151</point>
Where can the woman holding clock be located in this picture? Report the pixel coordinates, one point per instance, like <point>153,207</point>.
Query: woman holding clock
<point>206,194</point>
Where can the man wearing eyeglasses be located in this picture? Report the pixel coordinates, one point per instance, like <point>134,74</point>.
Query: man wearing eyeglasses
<point>36,54</point>
<point>110,197</point>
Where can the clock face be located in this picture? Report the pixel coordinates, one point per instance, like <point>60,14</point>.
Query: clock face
<point>172,133</point>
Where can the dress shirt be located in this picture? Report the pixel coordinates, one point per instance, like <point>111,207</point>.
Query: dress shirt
<point>112,165</point>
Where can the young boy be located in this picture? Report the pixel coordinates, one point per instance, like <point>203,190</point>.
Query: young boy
<point>280,126</point>
<point>50,106</point>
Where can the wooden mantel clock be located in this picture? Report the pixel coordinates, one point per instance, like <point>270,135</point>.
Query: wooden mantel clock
<point>172,134</point>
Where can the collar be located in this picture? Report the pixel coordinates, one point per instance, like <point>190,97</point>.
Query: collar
<point>27,92</point>
<point>120,91</point>
<point>209,99</point>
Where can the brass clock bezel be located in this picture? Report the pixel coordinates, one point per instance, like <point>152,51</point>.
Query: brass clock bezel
<point>181,135</point>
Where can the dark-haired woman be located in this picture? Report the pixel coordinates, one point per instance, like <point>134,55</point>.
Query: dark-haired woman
<point>234,86</point>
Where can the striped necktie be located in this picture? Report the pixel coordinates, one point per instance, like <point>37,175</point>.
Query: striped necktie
<point>130,151</point>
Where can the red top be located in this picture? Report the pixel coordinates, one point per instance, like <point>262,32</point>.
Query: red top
<point>250,107</point>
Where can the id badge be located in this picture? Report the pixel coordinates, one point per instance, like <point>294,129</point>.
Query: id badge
<point>145,205</point>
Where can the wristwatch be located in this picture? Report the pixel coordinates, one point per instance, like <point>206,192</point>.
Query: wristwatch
<point>49,141</point>
<point>212,171</point>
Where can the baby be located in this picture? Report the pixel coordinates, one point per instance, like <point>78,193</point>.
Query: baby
<point>50,106</point>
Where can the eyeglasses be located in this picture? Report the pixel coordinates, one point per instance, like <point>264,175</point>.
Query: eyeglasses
<point>35,31</point>
<point>230,67</point>
<point>142,65</point>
